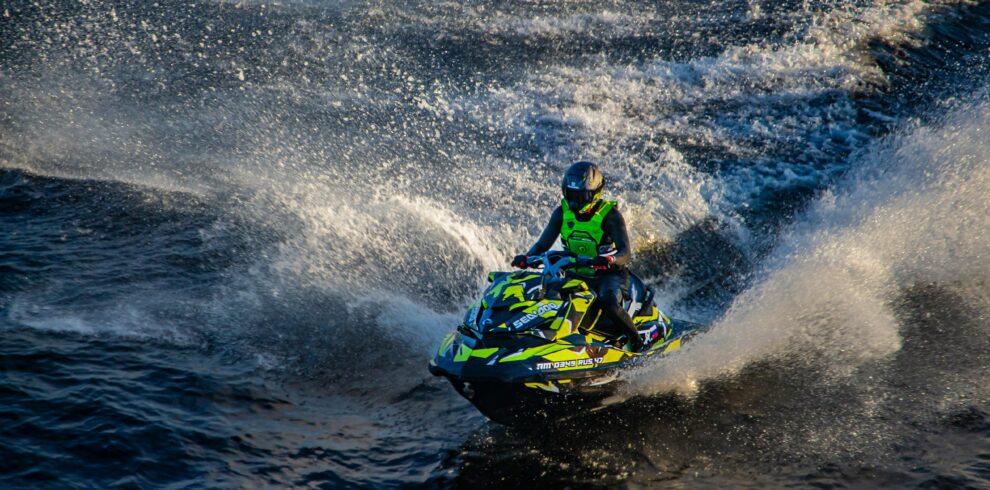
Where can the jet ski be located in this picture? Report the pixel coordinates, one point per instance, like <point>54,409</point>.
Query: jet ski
<point>535,347</point>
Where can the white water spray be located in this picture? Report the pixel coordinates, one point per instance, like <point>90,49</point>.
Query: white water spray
<point>917,212</point>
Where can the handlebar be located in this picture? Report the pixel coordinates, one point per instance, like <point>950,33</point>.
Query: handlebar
<point>554,263</point>
<point>555,258</point>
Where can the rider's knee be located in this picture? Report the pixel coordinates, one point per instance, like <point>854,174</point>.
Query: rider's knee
<point>612,298</point>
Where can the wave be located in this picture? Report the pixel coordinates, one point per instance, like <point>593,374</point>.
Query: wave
<point>837,293</point>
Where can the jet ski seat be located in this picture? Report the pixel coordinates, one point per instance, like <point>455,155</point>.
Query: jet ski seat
<point>638,293</point>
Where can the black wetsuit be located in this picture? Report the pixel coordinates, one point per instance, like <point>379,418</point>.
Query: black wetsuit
<point>610,285</point>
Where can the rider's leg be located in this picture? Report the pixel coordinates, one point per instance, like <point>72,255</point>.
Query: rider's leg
<point>610,288</point>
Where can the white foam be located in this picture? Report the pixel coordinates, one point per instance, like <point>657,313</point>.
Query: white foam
<point>917,212</point>
<point>369,239</point>
<point>128,320</point>
<point>748,102</point>
<point>452,19</point>
<point>672,197</point>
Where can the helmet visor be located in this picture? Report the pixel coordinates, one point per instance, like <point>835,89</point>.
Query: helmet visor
<point>578,198</point>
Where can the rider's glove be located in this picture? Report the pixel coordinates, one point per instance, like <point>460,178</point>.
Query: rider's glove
<point>602,262</point>
<point>519,261</point>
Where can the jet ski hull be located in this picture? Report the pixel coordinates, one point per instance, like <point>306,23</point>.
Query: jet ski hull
<point>517,405</point>
<point>555,381</point>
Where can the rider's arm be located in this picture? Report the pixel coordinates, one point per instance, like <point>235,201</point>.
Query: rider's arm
<point>550,233</point>
<point>615,226</point>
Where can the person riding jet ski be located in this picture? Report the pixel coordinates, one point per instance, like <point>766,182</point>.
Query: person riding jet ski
<point>592,228</point>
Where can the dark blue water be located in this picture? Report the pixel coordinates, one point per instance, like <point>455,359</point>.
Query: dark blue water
<point>231,235</point>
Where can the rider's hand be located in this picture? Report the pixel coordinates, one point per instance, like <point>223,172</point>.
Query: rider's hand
<point>519,261</point>
<point>602,262</point>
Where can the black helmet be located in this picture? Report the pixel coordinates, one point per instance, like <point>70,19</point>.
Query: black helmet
<point>582,186</point>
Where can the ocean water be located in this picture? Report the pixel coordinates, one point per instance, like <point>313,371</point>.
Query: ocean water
<point>232,234</point>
